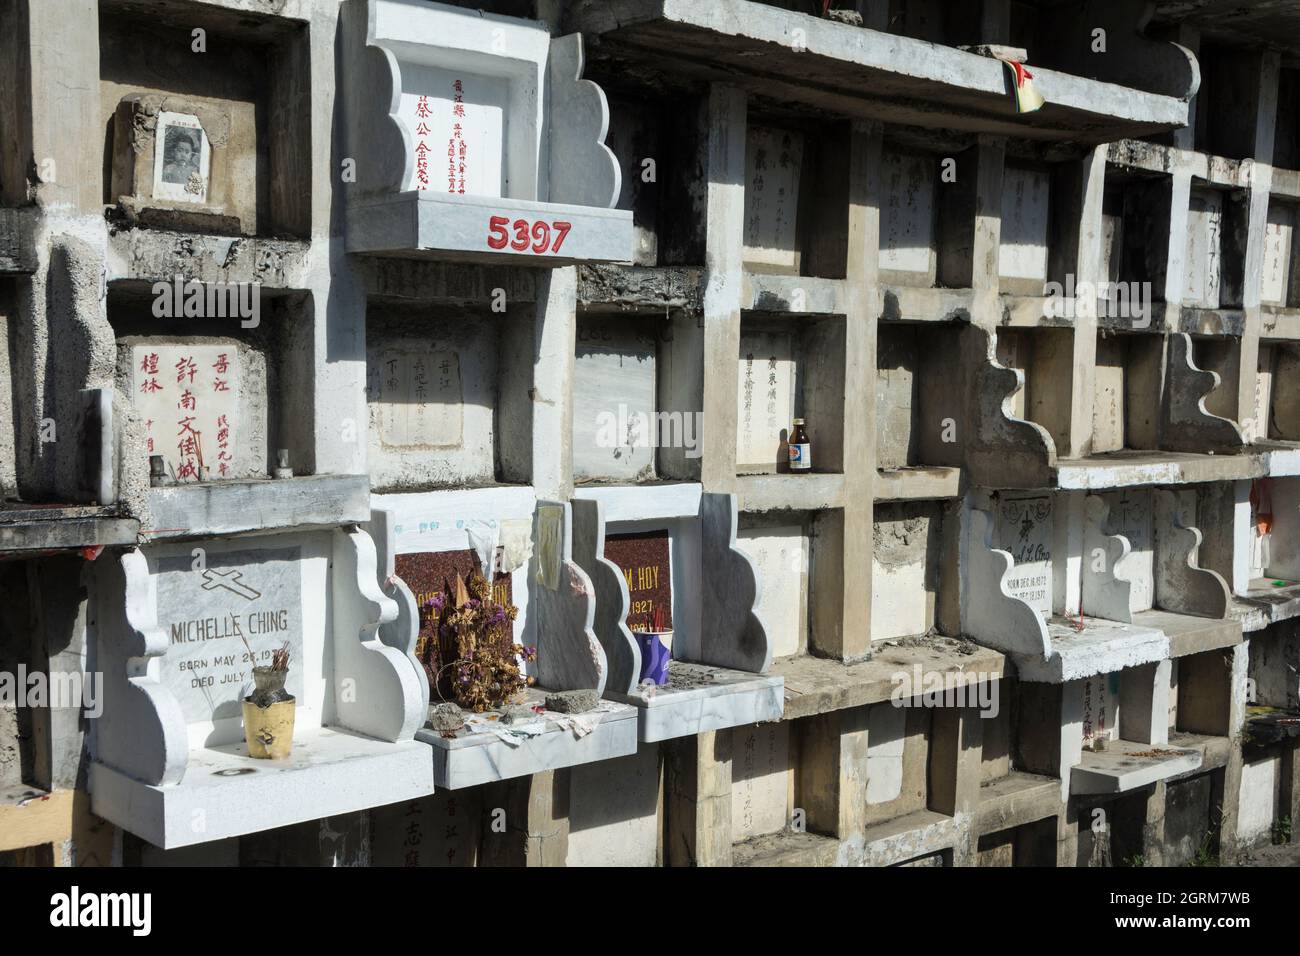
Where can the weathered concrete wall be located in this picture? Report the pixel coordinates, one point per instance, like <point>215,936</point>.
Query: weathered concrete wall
<point>614,811</point>
<point>905,572</point>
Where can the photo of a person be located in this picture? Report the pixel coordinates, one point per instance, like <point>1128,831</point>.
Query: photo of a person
<point>181,158</point>
<point>180,155</point>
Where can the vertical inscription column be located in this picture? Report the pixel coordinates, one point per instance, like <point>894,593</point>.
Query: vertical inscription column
<point>723,278</point>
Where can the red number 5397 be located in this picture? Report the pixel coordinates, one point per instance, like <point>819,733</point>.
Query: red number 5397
<point>534,237</point>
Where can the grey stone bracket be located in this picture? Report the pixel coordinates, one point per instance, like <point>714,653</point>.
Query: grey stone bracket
<point>1181,584</point>
<point>732,633</point>
<point>562,602</point>
<point>1002,451</point>
<point>555,161</point>
<point>1186,425</point>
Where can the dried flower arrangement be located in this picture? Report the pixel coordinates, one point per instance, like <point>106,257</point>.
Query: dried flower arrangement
<point>466,645</point>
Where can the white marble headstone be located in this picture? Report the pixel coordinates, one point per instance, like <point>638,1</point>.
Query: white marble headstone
<point>458,130</point>
<point>1130,515</point>
<point>188,398</point>
<point>255,593</point>
<point>1024,528</point>
<point>765,399</point>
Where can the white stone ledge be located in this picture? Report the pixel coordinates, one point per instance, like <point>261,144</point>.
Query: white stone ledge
<point>236,507</point>
<point>1125,765</point>
<point>226,793</point>
<point>468,759</point>
<point>707,698</point>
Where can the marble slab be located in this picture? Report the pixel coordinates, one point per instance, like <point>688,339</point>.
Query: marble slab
<point>698,698</point>
<point>1125,765</point>
<point>467,757</point>
<point>226,793</point>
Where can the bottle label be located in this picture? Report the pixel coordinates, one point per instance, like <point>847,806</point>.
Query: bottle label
<point>801,457</point>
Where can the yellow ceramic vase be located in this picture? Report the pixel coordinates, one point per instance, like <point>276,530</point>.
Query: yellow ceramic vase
<point>268,716</point>
<point>269,730</point>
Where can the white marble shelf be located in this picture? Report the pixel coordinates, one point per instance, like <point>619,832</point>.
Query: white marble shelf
<point>1101,647</point>
<point>43,528</point>
<point>1263,604</point>
<point>1126,469</point>
<point>468,757</point>
<point>227,793</point>
<point>1126,765</point>
<point>700,698</point>
<point>430,224</point>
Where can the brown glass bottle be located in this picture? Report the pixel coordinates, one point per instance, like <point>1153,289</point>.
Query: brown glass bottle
<point>800,449</point>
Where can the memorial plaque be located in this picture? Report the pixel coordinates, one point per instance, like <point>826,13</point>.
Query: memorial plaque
<point>907,217</point>
<point>457,122</point>
<point>1204,225</point>
<point>1024,528</point>
<point>182,158</point>
<point>614,422</point>
<point>1100,708</point>
<point>253,593</point>
<point>643,557</point>
<point>426,572</point>
<point>420,400</point>
<point>760,780</point>
<point>773,161</point>
<point>765,398</point>
<point>1278,235</point>
<point>1023,250</point>
<point>438,830</point>
<point>188,396</point>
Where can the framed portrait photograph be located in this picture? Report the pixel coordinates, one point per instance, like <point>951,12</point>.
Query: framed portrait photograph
<point>182,156</point>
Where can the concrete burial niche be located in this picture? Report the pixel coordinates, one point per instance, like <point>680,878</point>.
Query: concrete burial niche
<point>474,135</point>
<point>636,398</point>
<point>1279,281</point>
<point>188,143</point>
<point>1074,584</point>
<point>789,368</point>
<point>1127,382</point>
<point>448,396</point>
<point>212,392</point>
<point>428,538</point>
<point>171,764</point>
<point>1215,253</point>
<point>1023,251</point>
<point>687,559</point>
<point>796,192</point>
<point>920,406</point>
<point>909,540</point>
<point>1136,216</point>
<point>1045,357</point>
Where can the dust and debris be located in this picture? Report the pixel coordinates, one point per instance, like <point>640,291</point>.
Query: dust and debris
<point>933,640</point>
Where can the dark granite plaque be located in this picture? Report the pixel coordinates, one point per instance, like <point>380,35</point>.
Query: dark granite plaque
<point>643,558</point>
